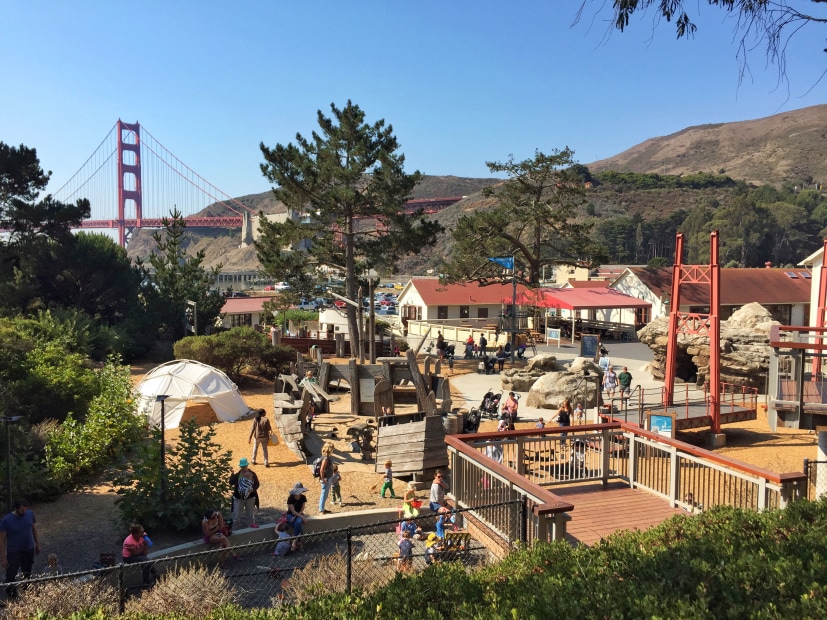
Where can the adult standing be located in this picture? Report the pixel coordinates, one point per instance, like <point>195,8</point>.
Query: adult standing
<point>624,381</point>
<point>483,345</point>
<point>610,382</point>
<point>564,416</point>
<point>135,549</point>
<point>438,489</point>
<point>245,486</point>
<point>501,355</point>
<point>295,512</point>
<point>18,543</point>
<point>440,345</point>
<point>260,436</point>
<point>325,475</point>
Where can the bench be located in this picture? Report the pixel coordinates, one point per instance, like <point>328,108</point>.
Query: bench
<point>456,546</point>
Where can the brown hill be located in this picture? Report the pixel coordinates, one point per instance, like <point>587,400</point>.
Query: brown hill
<point>785,147</point>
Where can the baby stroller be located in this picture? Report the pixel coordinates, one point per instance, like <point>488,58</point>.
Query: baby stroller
<point>489,406</point>
<point>487,364</point>
<point>472,422</point>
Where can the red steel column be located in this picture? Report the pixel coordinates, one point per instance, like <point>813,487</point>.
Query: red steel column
<point>821,308</point>
<point>672,334</point>
<point>124,168</point>
<point>714,333</point>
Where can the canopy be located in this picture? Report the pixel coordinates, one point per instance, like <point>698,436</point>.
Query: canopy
<point>578,299</point>
<point>183,381</point>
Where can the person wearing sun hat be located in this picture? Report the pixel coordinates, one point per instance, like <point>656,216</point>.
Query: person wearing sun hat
<point>245,486</point>
<point>433,545</point>
<point>295,512</point>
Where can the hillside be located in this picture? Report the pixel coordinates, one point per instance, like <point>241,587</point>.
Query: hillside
<point>783,147</point>
<point>791,146</point>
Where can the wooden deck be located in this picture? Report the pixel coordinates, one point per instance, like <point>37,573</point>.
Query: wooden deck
<point>600,511</point>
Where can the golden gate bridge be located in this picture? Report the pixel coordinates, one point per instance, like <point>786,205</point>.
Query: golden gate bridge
<point>131,168</point>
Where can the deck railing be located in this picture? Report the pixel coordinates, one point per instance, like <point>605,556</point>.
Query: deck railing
<point>495,467</point>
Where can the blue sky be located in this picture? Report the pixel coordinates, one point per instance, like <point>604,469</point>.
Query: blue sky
<point>462,83</point>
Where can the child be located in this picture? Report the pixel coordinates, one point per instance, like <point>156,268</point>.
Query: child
<point>53,568</point>
<point>410,526</point>
<point>283,544</point>
<point>405,551</point>
<point>432,548</point>
<point>335,489</point>
<point>441,521</point>
<point>387,484</point>
<point>410,504</point>
<point>578,413</point>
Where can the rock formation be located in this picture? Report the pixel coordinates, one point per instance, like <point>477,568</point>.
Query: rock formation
<point>521,379</point>
<point>551,388</point>
<point>745,351</point>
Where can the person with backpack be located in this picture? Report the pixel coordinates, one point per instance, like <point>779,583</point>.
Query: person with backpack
<point>483,346</point>
<point>260,436</point>
<point>325,475</point>
<point>245,486</point>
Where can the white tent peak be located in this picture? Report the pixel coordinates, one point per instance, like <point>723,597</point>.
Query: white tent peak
<point>185,381</point>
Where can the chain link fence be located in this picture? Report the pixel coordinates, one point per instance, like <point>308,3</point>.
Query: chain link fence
<point>816,472</point>
<point>253,576</point>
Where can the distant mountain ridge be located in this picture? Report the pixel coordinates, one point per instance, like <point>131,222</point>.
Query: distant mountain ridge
<point>784,147</point>
<point>787,147</point>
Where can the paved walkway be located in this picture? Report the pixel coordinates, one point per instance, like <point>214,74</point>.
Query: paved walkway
<point>634,355</point>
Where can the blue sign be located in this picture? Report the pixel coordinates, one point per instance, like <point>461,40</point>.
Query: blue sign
<point>662,424</point>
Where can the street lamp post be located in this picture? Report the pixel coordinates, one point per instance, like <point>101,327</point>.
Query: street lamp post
<point>8,421</point>
<point>161,398</point>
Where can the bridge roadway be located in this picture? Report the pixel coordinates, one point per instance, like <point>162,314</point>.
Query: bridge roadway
<point>428,205</point>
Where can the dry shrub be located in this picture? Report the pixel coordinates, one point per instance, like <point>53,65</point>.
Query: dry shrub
<point>195,591</point>
<point>325,574</point>
<point>61,598</point>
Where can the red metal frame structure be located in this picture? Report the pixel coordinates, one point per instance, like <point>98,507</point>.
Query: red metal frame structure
<point>696,323</point>
<point>128,130</point>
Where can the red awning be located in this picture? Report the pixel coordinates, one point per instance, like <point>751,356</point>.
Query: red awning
<point>578,299</point>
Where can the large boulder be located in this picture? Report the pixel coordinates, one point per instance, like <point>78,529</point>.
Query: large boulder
<point>521,379</point>
<point>745,351</point>
<point>549,391</point>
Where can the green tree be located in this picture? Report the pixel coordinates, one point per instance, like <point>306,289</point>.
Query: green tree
<point>537,218</point>
<point>173,278</point>
<point>745,231</point>
<point>791,233</point>
<point>696,231</point>
<point>195,476</point>
<point>345,189</point>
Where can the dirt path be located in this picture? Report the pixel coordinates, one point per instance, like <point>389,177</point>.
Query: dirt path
<point>81,525</point>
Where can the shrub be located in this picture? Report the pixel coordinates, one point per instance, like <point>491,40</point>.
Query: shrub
<point>195,476</point>
<point>75,450</point>
<point>60,599</point>
<point>324,575</point>
<point>192,591</point>
<point>236,349</point>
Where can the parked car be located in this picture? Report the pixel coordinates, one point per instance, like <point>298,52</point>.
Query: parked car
<point>386,311</point>
<point>237,294</point>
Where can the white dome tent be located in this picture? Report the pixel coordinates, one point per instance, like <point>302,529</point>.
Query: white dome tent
<point>185,381</point>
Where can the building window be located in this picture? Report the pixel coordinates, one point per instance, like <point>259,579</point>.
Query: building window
<point>241,320</point>
<point>781,313</point>
<point>442,312</point>
<point>482,313</point>
<point>464,312</point>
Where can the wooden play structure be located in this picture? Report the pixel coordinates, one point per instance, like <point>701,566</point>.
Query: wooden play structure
<point>403,409</point>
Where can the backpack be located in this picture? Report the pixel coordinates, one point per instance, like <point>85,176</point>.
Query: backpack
<point>317,467</point>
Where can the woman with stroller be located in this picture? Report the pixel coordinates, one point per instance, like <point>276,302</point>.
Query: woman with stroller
<point>510,409</point>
